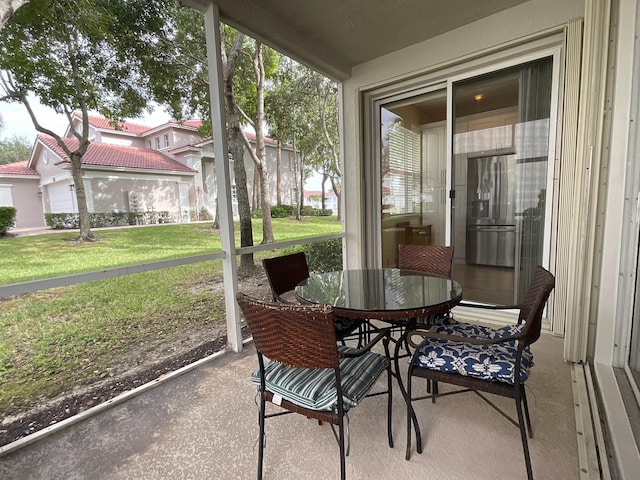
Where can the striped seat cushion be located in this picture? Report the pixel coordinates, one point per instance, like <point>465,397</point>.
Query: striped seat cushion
<point>316,388</point>
<point>487,362</point>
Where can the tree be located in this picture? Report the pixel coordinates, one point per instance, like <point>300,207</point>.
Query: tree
<point>261,70</point>
<point>8,8</point>
<point>304,103</point>
<point>73,55</point>
<point>15,149</point>
<point>174,58</point>
<point>287,114</point>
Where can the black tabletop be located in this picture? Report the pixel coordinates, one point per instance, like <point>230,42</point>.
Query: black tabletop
<point>389,293</point>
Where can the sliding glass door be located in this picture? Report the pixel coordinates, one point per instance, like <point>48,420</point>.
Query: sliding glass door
<point>484,187</point>
<point>501,171</point>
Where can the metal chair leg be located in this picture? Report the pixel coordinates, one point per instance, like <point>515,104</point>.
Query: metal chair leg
<point>523,435</point>
<point>343,466</point>
<point>408,401</point>
<point>261,414</point>
<point>390,395</point>
<point>526,412</point>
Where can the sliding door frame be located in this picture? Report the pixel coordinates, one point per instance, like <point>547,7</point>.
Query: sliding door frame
<point>550,46</point>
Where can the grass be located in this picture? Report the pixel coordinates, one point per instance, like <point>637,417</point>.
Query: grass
<point>56,254</point>
<point>53,340</point>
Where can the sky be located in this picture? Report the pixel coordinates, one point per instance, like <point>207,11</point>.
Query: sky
<point>17,122</point>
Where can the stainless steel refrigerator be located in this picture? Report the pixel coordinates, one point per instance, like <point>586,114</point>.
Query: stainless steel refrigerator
<point>491,225</point>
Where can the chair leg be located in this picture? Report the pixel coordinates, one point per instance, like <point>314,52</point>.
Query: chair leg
<point>523,435</point>
<point>261,414</point>
<point>343,466</point>
<point>410,416</point>
<point>408,400</point>
<point>526,412</point>
<point>389,401</point>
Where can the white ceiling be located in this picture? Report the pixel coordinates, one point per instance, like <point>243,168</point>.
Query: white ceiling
<point>334,35</point>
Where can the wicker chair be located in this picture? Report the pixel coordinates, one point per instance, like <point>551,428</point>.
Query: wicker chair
<point>433,259</point>
<point>284,273</point>
<point>287,271</point>
<point>307,372</point>
<point>482,359</point>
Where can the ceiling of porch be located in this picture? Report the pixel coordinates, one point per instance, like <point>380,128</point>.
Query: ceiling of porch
<point>332,36</point>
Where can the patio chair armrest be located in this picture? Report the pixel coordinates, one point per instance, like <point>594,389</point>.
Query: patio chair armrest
<point>488,307</point>
<point>383,333</point>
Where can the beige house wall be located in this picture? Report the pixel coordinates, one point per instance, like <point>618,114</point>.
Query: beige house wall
<point>26,200</point>
<point>119,138</point>
<point>141,194</point>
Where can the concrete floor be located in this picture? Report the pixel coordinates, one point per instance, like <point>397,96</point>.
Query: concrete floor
<point>203,424</point>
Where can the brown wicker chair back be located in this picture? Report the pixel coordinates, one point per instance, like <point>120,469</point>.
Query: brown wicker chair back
<point>285,272</point>
<point>532,306</point>
<point>434,259</point>
<point>301,336</point>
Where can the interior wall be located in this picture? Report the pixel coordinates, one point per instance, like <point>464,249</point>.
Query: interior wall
<point>524,20</point>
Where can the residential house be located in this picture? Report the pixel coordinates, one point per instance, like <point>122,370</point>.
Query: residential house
<point>131,168</point>
<point>313,198</point>
<point>509,129</point>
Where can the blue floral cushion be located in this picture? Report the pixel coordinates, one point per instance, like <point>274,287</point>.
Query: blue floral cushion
<point>487,362</point>
<point>316,388</point>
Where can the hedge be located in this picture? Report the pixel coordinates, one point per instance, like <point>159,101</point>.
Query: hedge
<point>284,211</point>
<point>7,219</point>
<point>325,256</point>
<point>59,221</point>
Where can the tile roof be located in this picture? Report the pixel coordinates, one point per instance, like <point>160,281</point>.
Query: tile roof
<point>118,156</point>
<point>190,123</point>
<point>17,168</point>
<point>103,123</point>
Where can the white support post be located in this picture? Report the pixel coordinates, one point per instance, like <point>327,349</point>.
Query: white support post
<point>223,178</point>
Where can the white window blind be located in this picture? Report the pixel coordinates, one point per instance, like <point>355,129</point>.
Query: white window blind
<point>404,170</point>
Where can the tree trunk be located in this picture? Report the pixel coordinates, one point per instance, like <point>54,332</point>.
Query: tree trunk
<point>81,198</point>
<point>295,180</point>
<point>338,192</point>
<point>279,173</point>
<point>299,159</point>
<point>236,151</point>
<point>322,191</point>
<point>261,160</point>
<point>236,148</point>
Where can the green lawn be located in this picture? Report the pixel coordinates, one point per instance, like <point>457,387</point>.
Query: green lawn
<point>56,254</point>
<point>53,340</point>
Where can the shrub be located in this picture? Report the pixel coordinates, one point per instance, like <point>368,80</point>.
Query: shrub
<point>282,211</point>
<point>7,219</point>
<point>324,256</point>
<point>59,221</point>
<point>308,211</point>
<point>277,211</point>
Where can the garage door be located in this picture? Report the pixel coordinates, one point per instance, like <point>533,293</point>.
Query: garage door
<point>61,199</point>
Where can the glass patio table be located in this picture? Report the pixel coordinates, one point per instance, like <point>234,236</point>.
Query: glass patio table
<point>392,295</point>
<point>389,294</point>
